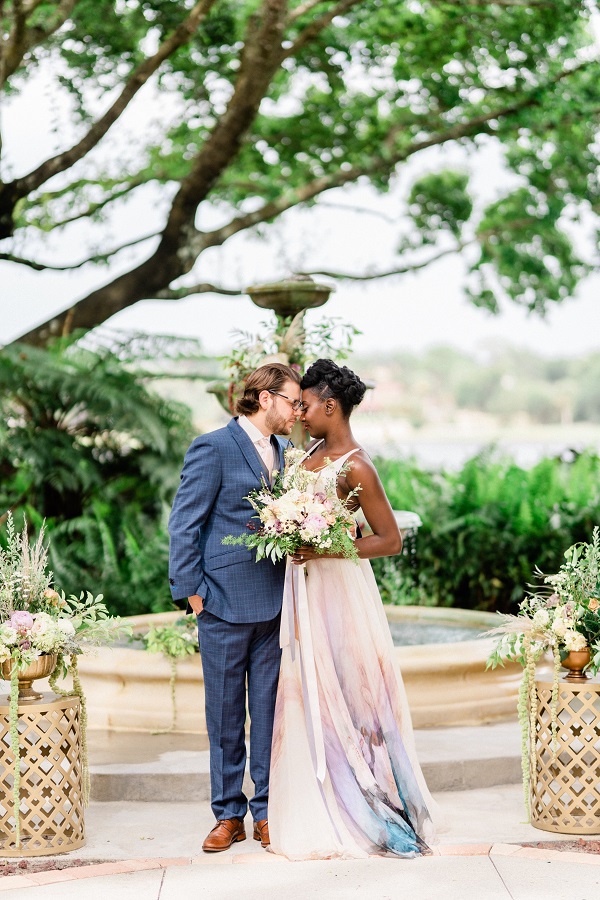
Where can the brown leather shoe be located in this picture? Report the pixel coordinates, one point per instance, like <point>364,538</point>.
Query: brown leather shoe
<point>261,832</point>
<point>225,833</point>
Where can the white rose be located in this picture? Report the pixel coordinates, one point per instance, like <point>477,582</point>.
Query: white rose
<point>541,618</point>
<point>574,640</point>
<point>42,623</point>
<point>559,626</point>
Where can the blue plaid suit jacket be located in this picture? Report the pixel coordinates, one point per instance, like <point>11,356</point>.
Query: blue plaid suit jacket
<point>219,470</point>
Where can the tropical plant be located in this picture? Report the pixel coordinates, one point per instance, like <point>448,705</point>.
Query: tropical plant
<point>487,526</point>
<point>255,107</point>
<point>87,447</point>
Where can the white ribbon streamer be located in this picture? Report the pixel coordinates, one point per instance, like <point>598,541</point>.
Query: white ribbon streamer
<point>295,609</point>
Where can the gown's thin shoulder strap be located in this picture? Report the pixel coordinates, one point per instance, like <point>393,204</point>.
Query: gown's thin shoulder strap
<point>340,462</point>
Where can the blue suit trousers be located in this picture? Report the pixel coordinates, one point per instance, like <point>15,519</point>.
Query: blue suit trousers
<point>236,656</point>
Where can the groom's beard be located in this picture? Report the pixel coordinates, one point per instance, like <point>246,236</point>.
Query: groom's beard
<point>277,423</point>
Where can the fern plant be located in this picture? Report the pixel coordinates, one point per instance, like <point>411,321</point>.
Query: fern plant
<point>87,446</point>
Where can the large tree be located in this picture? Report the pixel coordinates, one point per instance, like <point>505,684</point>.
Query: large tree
<point>260,106</point>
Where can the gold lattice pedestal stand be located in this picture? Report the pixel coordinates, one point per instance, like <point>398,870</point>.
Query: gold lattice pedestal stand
<point>51,778</point>
<point>565,791</point>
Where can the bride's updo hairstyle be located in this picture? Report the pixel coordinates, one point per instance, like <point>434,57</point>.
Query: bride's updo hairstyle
<point>326,379</point>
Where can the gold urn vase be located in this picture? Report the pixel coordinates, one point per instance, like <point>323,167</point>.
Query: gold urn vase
<point>575,662</point>
<point>41,667</point>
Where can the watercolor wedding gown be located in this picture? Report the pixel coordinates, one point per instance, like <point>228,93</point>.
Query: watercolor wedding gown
<point>345,780</point>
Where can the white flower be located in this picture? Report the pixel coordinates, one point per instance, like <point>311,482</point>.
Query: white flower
<point>574,640</point>
<point>541,618</point>
<point>66,626</point>
<point>4,654</point>
<point>8,635</point>
<point>559,626</point>
<point>42,623</point>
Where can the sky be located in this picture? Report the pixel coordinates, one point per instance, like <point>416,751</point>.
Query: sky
<point>358,231</point>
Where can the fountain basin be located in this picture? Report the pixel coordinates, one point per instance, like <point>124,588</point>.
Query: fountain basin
<point>446,683</point>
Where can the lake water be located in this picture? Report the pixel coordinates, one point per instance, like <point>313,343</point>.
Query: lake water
<point>454,454</point>
<point>409,634</point>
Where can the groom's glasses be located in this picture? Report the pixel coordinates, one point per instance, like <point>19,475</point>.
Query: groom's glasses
<point>295,404</point>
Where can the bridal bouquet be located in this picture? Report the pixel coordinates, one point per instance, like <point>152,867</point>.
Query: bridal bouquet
<point>301,508</point>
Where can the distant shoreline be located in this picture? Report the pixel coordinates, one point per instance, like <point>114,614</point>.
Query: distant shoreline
<point>450,446</point>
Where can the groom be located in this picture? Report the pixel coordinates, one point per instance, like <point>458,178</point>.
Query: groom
<point>237,600</point>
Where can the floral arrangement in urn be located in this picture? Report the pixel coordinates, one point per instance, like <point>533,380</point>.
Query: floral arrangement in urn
<point>561,618</point>
<point>42,632</point>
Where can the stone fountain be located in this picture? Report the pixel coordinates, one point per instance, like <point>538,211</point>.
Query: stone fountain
<point>289,299</point>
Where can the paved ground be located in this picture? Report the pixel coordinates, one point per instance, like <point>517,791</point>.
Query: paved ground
<point>152,849</point>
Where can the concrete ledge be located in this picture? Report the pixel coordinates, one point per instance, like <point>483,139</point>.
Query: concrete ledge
<point>452,759</point>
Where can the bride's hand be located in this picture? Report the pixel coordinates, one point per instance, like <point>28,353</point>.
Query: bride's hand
<point>304,554</point>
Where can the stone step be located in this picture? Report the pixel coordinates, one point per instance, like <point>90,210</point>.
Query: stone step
<point>171,767</point>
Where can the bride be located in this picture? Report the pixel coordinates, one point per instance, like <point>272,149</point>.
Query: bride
<point>345,780</point>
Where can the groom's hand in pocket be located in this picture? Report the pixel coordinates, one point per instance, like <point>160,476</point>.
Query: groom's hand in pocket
<point>197,603</point>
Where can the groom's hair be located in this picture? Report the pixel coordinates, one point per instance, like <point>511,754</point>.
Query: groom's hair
<point>271,377</point>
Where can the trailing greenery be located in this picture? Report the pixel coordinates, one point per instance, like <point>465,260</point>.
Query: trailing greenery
<point>87,447</point>
<point>486,527</point>
<point>175,641</point>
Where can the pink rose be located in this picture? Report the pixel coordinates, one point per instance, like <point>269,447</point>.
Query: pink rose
<point>315,523</point>
<point>21,621</point>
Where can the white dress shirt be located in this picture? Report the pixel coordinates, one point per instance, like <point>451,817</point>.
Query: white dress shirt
<point>262,444</point>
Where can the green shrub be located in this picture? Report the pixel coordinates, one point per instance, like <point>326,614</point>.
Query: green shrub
<point>486,527</point>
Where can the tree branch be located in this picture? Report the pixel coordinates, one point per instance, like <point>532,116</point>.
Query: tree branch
<point>98,257</point>
<point>21,39</point>
<point>137,80</point>
<point>360,210</point>
<point>95,207</point>
<point>200,288</point>
<point>398,270</point>
<point>182,243</point>
<point>339,178</point>
<point>260,59</point>
<point>303,8</point>
<point>177,251</point>
<point>317,25</point>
